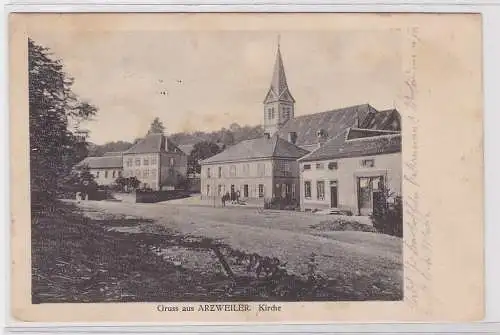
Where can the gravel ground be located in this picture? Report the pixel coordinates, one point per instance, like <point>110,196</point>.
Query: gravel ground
<point>369,261</point>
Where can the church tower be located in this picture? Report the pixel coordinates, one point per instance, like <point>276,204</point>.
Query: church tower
<point>279,103</point>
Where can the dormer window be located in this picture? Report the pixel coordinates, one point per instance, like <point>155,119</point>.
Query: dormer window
<point>333,166</point>
<point>368,163</point>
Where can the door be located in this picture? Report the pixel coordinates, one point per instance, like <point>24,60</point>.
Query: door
<point>245,191</point>
<point>334,195</point>
<point>367,186</point>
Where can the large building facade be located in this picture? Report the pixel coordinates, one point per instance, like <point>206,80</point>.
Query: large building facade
<point>156,162</point>
<point>262,168</point>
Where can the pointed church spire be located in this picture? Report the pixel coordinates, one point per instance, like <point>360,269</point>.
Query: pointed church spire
<point>279,83</point>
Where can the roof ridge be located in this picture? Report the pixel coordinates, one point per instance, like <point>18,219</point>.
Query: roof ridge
<point>334,110</point>
<point>343,132</point>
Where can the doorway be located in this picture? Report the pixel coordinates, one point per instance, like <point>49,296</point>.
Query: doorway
<point>334,194</point>
<point>368,189</point>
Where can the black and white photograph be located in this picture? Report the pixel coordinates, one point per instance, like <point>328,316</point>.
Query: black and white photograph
<point>191,172</point>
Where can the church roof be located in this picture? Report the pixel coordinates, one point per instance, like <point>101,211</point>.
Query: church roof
<point>332,122</point>
<point>262,147</point>
<point>153,143</point>
<point>279,87</point>
<point>346,145</point>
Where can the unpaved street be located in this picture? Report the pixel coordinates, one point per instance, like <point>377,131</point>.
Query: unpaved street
<point>369,258</point>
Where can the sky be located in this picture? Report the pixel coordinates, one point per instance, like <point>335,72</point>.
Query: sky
<point>214,78</point>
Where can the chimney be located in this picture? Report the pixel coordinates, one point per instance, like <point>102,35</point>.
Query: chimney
<point>267,135</point>
<point>322,136</point>
<point>292,137</point>
<point>356,121</point>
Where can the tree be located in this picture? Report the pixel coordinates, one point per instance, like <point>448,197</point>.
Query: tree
<point>130,183</point>
<point>201,150</point>
<point>156,127</point>
<point>54,149</point>
<point>80,180</point>
<point>118,146</point>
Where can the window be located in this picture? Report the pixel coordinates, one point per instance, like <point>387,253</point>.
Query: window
<point>270,113</point>
<point>153,172</point>
<point>97,174</point>
<point>153,161</point>
<point>106,174</point>
<point>320,188</point>
<point>232,170</point>
<point>246,169</point>
<point>245,191</point>
<point>114,173</point>
<point>307,166</point>
<point>320,166</point>
<point>284,167</point>
<point>129,162</point>
<point>333,166</point>
<point>368,163</point>
<point>284,190</point>
<point>261,169</point>
<point>138,173</point>
<point>172,161</point>
<point>138,162</point>
<point>119,173</point>
<point>220,172</point>
<point>145,161</point>
<point>307,189</point>
<point>208,189</point>
<point>286,112</point>
<point>219,189</point>
<point>208,172</point>
<point>293,191</point>
<point>145,173</point>
<point>261,191</point>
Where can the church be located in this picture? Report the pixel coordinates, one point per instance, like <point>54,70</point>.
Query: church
<point>289,161</point>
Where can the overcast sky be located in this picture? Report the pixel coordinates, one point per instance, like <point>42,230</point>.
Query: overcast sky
<point>214,78</point>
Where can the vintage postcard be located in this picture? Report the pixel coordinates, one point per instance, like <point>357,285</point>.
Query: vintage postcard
<point>251,167</point>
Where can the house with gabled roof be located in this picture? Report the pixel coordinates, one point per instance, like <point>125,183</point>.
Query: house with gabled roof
<point>155,161</point>
<point>351,171</point>
<point>104,169</point>
<point>261,168</point>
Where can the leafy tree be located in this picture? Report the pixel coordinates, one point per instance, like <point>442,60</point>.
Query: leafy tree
<point>130,183</point>
<point>54,149</point>
<point>156,127</point>
<point>230,136</point>
<point>118,146</point>
<point>201,150</point>
<point>80,180</point>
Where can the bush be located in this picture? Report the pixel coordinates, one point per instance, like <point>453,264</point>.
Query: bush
<point>281,203</point>
<point>387,215</point>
